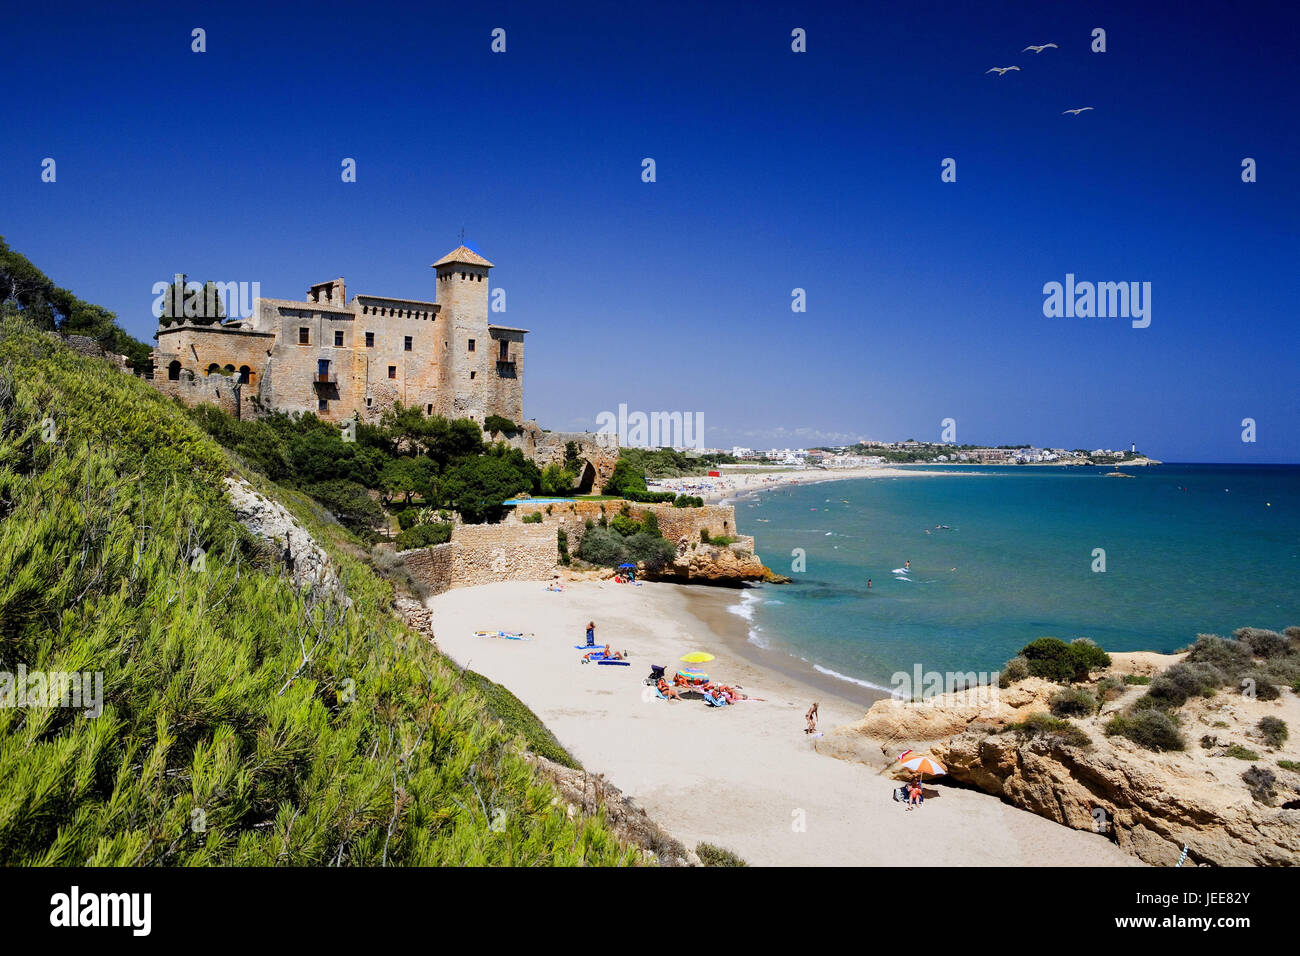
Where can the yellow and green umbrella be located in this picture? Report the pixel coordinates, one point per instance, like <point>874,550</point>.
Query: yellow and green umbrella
<point>696,657</point>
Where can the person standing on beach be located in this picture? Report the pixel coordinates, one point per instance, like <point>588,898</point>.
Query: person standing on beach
<point>811,717</point>
<point>591,633</point>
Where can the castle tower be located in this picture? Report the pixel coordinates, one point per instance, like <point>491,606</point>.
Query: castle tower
<point>462,297</point>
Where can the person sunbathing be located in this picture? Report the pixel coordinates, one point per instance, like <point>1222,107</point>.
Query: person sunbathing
<point>667,690</point>
<point>602,654</point>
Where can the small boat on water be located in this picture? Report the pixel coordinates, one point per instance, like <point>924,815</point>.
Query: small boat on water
<point>1119,474</point>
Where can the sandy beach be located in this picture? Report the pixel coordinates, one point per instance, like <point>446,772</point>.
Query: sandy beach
<point>744,777</point>
<point>730,486</point>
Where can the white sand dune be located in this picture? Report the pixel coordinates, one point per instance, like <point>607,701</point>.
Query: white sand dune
<point>744,777</point>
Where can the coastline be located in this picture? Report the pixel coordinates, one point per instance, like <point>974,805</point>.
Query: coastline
<point>729,488</point>
<point>744,777</point>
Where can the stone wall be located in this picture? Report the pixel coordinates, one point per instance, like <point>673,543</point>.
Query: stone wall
<point>224,391</point>
<point>485,554</point>
<point>675,524</point>
<point>431,567</point>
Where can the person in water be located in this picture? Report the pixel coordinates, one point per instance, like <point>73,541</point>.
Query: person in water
<point>868,582</point>
<point>908,565</point>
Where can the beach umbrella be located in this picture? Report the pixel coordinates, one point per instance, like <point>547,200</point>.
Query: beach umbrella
<point>696,657</point>
<point>922,764</point>
<point>693,674</point>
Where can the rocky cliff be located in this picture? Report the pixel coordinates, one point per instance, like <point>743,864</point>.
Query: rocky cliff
<point>1151,804</point>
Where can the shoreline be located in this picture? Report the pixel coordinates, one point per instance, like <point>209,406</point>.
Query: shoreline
<point>729,488</point>
<point>744,777</point>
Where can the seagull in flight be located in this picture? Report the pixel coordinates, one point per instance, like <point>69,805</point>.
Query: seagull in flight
<point>1039,48</point>
<point>1000,70</point>
<point>1076,112</point>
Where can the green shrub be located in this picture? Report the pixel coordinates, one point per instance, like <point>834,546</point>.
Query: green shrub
<point>1016,669</point>
<point>1261,783</point>
<point>562,543</point>
<point>424,536</point>
<point>1262,643</point>
<point>1273,730</point>
<point>1289,765</point>
<point>1182,681</point>
<point>688,501</point>
<point>1110,687</point>
<point>1241,753</point>
<point>1152,729</point>
<point>711,855</point>
<point>1054,660</point>
<point>625,526</point>
<point>624,478</point>
<point>350,503</point>
<point>645,497</point>
<point>1092,656</point>
<point>534,518</point>
<point>1073,702</point>
<point>653,550</point>
<point>499,423</point>
<point>1230,657</point>
<point>602,547</point>
<point>1140,680</point>
<point>1258,685</point>
<point>1040,724</point>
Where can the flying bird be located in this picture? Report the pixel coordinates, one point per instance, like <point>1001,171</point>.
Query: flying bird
<point>1076,112</point>
<point>1039,48</point>
<point>1000,70</point>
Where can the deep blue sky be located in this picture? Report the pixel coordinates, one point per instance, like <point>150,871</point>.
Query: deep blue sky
<point>776,170</point>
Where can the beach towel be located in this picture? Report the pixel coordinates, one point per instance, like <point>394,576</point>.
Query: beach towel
<point>660,694</point>
<point>714,701</point>
<point>616,663</point>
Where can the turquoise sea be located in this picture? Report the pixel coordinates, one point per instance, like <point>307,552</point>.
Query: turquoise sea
<point>1189,549</point>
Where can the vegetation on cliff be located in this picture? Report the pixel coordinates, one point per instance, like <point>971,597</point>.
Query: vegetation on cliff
<point>243,721</point>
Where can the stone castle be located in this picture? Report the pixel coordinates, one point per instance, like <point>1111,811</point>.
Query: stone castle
<point>340,359</point>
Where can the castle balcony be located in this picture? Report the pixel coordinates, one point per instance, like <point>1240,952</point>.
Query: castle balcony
<point>325,379</point>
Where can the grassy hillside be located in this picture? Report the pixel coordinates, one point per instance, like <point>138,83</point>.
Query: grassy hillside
<point>243,723</point>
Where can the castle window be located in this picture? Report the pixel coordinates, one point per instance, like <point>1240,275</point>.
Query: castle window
<point>367,401</point>
<point>392,371</point>
<point>370,340</point>
<point>174,372</point>
<point>214,368</point>
<point>504,351</point>
<point>471,345</point>
<point>406,345</point>
<point>323,405</point>
<point>304,336</point>
<point>472,374</point>
<point>462,275</point>
<point>245,374</point>
<point>338,338</point>
<point>428,409</point>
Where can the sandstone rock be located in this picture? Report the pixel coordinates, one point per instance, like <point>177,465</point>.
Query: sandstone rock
<point>1151,804</point>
